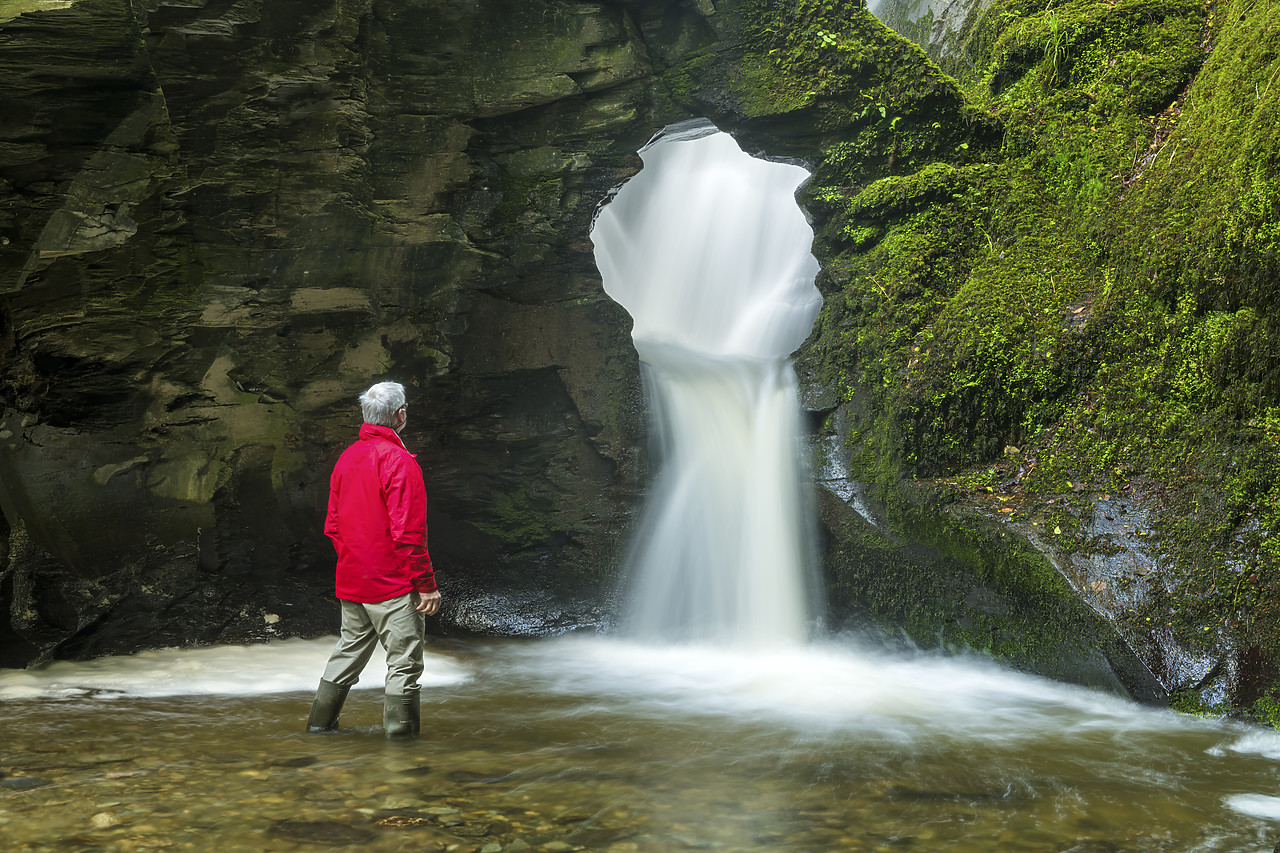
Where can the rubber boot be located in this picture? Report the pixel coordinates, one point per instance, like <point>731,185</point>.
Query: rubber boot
<point>327,706</point>
<point>402,715</point>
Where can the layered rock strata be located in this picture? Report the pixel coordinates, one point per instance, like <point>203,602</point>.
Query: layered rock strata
<point>222,221</point>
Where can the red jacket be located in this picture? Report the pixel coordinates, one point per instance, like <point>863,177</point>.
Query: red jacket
<point>378,519</point>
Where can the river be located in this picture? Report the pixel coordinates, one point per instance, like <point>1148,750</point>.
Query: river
<point>605,744</point>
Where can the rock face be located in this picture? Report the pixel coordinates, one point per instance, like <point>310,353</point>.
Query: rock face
<point>935,25</point>
<point>220,222</point>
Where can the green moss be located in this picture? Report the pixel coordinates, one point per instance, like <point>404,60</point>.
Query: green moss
<point>13,8</point>
<point>1267,710</point>
<point>520,519</point>
<point>965,585</point>
<point>963,284</point>
<point>1189,702</point>
<point>766,91</point>
<point>1143,49</point>
<point>895,195</point>
<point>681,83</point>
<point>1097,287</point>
<point>523,195</point>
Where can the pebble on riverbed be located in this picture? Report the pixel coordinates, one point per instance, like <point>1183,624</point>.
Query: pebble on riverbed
<point>404,821</point>
<point>23,783</point>
<point>320,831</point>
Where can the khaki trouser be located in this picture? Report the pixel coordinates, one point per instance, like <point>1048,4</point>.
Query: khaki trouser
<point>394,624</point>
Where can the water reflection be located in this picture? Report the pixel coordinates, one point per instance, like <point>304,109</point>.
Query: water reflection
<point>605,745</point>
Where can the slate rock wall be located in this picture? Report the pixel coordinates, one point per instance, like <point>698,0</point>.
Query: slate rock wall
<point>220,222</point>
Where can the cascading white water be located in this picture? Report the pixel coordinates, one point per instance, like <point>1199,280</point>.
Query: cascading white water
<point>709,252</point>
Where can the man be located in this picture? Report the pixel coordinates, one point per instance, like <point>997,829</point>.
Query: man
<point>377,520</point>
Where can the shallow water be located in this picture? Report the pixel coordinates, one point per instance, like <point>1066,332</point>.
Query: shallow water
<point>604,745</point>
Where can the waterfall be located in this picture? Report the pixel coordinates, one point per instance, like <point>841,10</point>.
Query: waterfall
<point>708,251</point>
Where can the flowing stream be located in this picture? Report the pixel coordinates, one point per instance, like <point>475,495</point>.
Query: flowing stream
<point>713,722</point>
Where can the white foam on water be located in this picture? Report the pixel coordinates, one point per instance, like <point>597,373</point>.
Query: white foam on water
<point>276,667</point>
<point>828,688</point>
<point>1255,805</point>
<point>1265,743</point>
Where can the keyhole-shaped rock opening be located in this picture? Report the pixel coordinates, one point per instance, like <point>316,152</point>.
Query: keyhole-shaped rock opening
<point>709,252</point>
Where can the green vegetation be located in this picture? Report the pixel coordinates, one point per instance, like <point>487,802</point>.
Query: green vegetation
<point>13,8</point>
<point>1067,251</point>
<point>521,518</point>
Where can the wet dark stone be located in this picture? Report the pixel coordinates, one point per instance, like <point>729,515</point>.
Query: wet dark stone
<point>470,777</point>
<point>477,830</point>
<point>416,771</point>
<point>689,843</point>
<point>1091,845</point>
<point>599,837</point>
<point>300,761</point>
<point>23,783</point>
<point>901,792</point>
<point>320,832</point>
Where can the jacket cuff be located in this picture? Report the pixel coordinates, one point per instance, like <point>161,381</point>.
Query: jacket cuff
<point>418,561</point>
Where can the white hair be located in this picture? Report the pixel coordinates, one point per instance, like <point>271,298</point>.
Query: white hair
<point>381,402</point>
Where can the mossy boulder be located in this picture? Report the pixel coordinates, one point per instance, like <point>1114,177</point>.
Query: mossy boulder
<point>1076,339</point>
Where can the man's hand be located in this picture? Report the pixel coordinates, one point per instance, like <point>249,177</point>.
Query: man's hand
<point>428,603</point>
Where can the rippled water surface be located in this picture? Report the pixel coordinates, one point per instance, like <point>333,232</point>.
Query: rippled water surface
<point>603,745</point>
